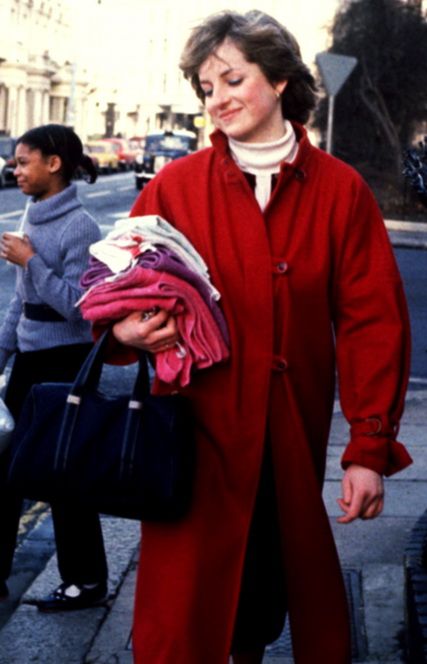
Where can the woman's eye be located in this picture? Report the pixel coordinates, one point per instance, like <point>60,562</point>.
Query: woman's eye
<point>235,81</point>
<point>207,93</point>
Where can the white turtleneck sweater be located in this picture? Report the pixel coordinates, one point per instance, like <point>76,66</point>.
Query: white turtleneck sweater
<point>264,159</point>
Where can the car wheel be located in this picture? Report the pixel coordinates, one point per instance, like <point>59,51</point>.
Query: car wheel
<point>139,183</point>
<point>2,180</point>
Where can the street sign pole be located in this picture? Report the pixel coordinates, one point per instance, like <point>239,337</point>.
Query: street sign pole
<point>329,129</point>
<point>335,69</point>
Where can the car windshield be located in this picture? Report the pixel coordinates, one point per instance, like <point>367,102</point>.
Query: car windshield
<point>6,147</point>
<point>156,143</point>
<point>97,148</point>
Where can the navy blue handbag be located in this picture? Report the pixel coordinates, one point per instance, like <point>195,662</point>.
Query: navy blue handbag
<point>131,456</point>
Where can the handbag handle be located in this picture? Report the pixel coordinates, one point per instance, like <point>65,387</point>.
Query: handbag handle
<point>89,374</point>
<point>88,380</point>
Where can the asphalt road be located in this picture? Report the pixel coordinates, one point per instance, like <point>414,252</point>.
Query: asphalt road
<point>109,198</point>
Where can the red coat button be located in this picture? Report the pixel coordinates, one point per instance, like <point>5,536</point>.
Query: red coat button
<point>282,267</point>
<point>280,364</point>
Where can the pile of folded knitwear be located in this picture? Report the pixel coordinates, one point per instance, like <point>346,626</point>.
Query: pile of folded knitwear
<point>145,264</point>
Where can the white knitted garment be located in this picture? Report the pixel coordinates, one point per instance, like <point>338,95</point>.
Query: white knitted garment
<point>263,160</point>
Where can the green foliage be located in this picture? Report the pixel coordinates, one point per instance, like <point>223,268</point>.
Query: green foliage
<point>385,99</point>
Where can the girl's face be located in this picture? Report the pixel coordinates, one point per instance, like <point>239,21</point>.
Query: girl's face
<point>36,174</point>
<point>239,98</point>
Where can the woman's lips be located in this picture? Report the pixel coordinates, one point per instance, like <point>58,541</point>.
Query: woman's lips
<point>228,115</point>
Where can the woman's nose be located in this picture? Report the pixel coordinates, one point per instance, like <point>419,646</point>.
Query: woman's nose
<point>219,98</point>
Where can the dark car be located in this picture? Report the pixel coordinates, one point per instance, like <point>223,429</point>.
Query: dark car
<point>161,147</point>
<point>7,160</point>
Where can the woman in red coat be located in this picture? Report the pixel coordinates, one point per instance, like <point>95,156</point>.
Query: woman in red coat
<point>297,247</point>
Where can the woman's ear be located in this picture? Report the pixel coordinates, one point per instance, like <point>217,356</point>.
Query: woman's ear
<point>55,163</point>
<point>280,87</point>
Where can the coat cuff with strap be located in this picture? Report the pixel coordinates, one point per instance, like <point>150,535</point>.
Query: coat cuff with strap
<point>373,446</point>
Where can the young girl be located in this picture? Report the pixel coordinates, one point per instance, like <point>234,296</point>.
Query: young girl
<point>49,340</point>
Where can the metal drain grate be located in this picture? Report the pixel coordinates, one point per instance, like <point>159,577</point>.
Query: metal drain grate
<point>353,584</point>
<point>352,579</point>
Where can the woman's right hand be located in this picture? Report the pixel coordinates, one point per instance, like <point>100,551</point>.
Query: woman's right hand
<point>153,334</point>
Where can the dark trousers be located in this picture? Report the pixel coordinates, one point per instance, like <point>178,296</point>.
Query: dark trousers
<point>262,605</point>
<point>78,534</point>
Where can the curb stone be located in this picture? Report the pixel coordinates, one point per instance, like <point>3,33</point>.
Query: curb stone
<point>415,567</point>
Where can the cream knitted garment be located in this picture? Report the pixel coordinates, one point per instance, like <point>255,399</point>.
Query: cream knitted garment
<point>263,160</point>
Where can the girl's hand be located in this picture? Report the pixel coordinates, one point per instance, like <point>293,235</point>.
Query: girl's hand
<point>362,494</point>
<point>153,334</point>
<point>15,249</point>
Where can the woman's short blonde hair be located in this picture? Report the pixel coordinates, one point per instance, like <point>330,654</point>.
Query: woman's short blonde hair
<point>263,41</point>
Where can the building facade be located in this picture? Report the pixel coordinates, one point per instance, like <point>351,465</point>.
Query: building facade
<point>36,72</point>
<point>90,65</point>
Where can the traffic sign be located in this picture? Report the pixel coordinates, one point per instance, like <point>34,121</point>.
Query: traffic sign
<point>335,70</point>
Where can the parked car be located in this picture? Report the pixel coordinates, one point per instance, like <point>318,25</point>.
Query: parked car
<point>7,160</point>
<point>160,148</point>
<point>81,172</point>
<point>137,143</point>
<point>125,153</point>
<point>103,153</point>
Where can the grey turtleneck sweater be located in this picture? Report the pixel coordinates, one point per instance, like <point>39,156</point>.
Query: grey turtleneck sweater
<point>60,230</point>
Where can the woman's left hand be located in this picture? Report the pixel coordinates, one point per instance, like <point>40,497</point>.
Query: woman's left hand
<point>15,249</point>
<point>362,494</point>
<point>153,332</point>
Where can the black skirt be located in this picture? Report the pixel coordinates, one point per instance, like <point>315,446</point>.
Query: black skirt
<point>262,605</point>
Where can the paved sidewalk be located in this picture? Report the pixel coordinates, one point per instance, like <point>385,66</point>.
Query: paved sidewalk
<point>371,553</point>
<point>407,234</point>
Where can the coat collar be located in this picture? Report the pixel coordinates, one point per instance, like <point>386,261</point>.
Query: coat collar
<point>220,145</point>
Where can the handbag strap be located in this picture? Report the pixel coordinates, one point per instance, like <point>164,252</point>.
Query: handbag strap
<point>87,380</point>
<point>90,373</point>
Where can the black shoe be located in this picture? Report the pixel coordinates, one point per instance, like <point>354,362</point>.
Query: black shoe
<point>4,591</point>
<point>71,597</point>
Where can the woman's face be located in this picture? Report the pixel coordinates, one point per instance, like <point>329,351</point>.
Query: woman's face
<point>239,98</point>
<point>35,173</point>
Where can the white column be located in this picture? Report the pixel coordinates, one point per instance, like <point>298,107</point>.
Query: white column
<point>3,107</point>
<point>12,108</point>
<point>22,114</point>
<point>38,108</point>
<point>45,107</point>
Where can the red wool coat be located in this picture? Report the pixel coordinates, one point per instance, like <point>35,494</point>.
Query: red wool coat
<point>308,286</point>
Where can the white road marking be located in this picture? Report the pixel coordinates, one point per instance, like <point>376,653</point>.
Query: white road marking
<point>396,225</point>
<point>120,215</point>
<point>14,213</point>
<point>418,381</point>
<point>98,194</point>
